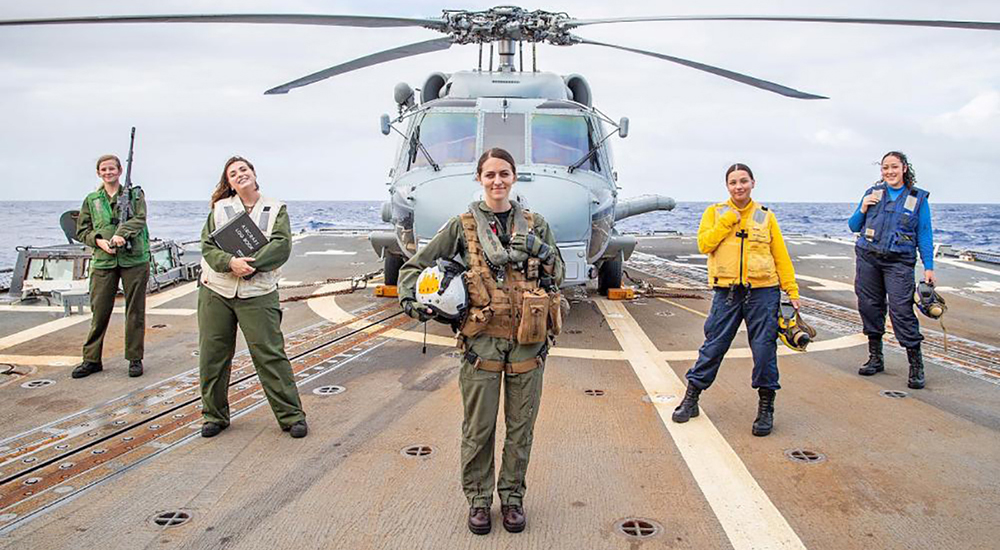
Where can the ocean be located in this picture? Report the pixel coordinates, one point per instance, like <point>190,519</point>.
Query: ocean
<point>36,223</point>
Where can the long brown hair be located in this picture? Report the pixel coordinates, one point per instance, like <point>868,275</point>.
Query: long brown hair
<point>223,190</point>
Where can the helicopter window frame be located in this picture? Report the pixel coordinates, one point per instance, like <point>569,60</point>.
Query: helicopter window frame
<point>594,164</point>
<point>518,148</point>
<point>411,158</point>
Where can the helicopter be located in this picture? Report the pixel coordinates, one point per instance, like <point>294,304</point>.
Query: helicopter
<point>559,139</point>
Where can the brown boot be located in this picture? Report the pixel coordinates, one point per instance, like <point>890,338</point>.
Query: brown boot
<point>479,520</point>
<point>514,519</point>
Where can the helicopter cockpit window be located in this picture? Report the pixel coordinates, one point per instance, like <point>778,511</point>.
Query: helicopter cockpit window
<point>448,137</point>
<point>561,140</point>
<point>505,130</point>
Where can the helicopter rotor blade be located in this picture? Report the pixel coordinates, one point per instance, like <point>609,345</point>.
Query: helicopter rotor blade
<point>724,73</point>
<point>400,52</point>
<point>971,25</point>
<point>259,18</point>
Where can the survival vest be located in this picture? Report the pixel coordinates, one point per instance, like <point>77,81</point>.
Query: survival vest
<point>517,309</point>
<point>103,216</point>
<point>227,285</point>
<point>744,256</point>
<point>891,225</point>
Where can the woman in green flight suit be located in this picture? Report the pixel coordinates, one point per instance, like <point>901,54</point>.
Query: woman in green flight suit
<point>243,292</point>
<point>510,253</point>
<point>120,252</point>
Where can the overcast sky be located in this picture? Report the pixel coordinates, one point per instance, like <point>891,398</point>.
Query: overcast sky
<point>70,93</point>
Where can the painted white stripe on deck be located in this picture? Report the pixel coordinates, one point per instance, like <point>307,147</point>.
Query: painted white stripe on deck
<point>827,283</point>
<point>59,324</point>
<point>967,265</point>
<point>40,360</point>
<point>749,518</point>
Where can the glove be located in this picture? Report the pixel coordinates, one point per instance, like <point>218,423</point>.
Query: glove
<point>532,245</point>
<point>414,309</point>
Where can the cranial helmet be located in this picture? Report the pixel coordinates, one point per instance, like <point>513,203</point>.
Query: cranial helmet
<point>792,330</point>
<point>928,301</point>
<point>441,287</point>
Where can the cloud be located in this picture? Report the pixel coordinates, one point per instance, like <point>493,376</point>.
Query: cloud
<point>839,137</point>
<point>978,117</point>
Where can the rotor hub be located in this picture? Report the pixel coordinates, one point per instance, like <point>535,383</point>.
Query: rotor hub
<point>507,23</point>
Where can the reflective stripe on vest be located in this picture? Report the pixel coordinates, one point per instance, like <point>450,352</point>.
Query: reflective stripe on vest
<point>891,225</point>
<point>226,284</point>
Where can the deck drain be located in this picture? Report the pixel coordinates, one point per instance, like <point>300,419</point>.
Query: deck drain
<point>172,519</point>
<point>417,451</point>
<point>32,480</point>
<point>128,438</point>
<point>29,460</point>
<point>329,390</point>
<point>638,528</point>
<point>664,313</point>
<point>805,456</point>
<point>155,427</point>
<point>194,353</point>
<point>62,446</point>
<point>66,465</point>
<point>574,331</point>
<point>594,393</point>
<point>120,422</point>
<point>893,394</point>
<point>98,451</point>
<point>179,415</point>
<point>160,325</point>
<point>35,384</point>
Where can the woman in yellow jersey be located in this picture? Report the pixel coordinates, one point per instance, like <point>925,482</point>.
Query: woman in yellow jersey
<point>748,267</point>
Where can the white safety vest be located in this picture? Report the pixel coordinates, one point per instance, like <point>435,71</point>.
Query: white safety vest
<point>227,285</point>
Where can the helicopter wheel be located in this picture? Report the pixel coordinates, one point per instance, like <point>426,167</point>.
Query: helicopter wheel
<point>609,275</point>
<point>392,265</point>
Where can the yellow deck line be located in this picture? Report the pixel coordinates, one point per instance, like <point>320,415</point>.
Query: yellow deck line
<point>749,518</point>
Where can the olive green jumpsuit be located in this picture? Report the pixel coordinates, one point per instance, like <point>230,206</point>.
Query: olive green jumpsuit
<point>98,215</point>
<point>481,389</point>
<point>260,320</point>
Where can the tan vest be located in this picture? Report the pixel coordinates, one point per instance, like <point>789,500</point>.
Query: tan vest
<point>226,284</point>
<point>517,310</point>
<point>746,259</point>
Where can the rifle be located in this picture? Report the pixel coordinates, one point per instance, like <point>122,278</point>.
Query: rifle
<point>125,195</point>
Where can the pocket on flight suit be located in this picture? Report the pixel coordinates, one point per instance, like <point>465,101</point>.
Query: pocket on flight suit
<point>534,316</point>
<point>556,312</point>
<point>479,294</point>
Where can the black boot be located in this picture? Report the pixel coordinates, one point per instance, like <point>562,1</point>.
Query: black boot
<point>875,362</point>
<point>916,360</point>
<point>688,408</point>
<point>765,413</point>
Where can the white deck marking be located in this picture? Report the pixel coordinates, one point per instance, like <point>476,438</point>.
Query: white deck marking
<point>836,286</point>
<point>967,265</point>
<point>52,326</point>
<point>40,360</point>
<point>749,518</point>
<point>60,309</point>
<point>824,257</point>
<point>331,253</point>
<point>743,353</point>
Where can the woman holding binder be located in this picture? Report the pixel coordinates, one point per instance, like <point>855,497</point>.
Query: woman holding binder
<point>242,290</point>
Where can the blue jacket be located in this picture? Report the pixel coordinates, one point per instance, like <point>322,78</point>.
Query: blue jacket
<point>897,225</point>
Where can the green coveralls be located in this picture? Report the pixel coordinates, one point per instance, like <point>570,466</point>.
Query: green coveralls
<point>132,268</point>
<point>260,320</point>
<point>481,389</point>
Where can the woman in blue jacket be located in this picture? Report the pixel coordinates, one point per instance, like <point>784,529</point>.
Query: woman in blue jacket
<point>894,223</point>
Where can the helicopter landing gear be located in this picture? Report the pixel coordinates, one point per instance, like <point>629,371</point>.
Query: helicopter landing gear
<point>392,265</point>
<point>609,275</point>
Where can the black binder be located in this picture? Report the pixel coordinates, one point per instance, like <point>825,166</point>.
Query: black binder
<point>239,236</point>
